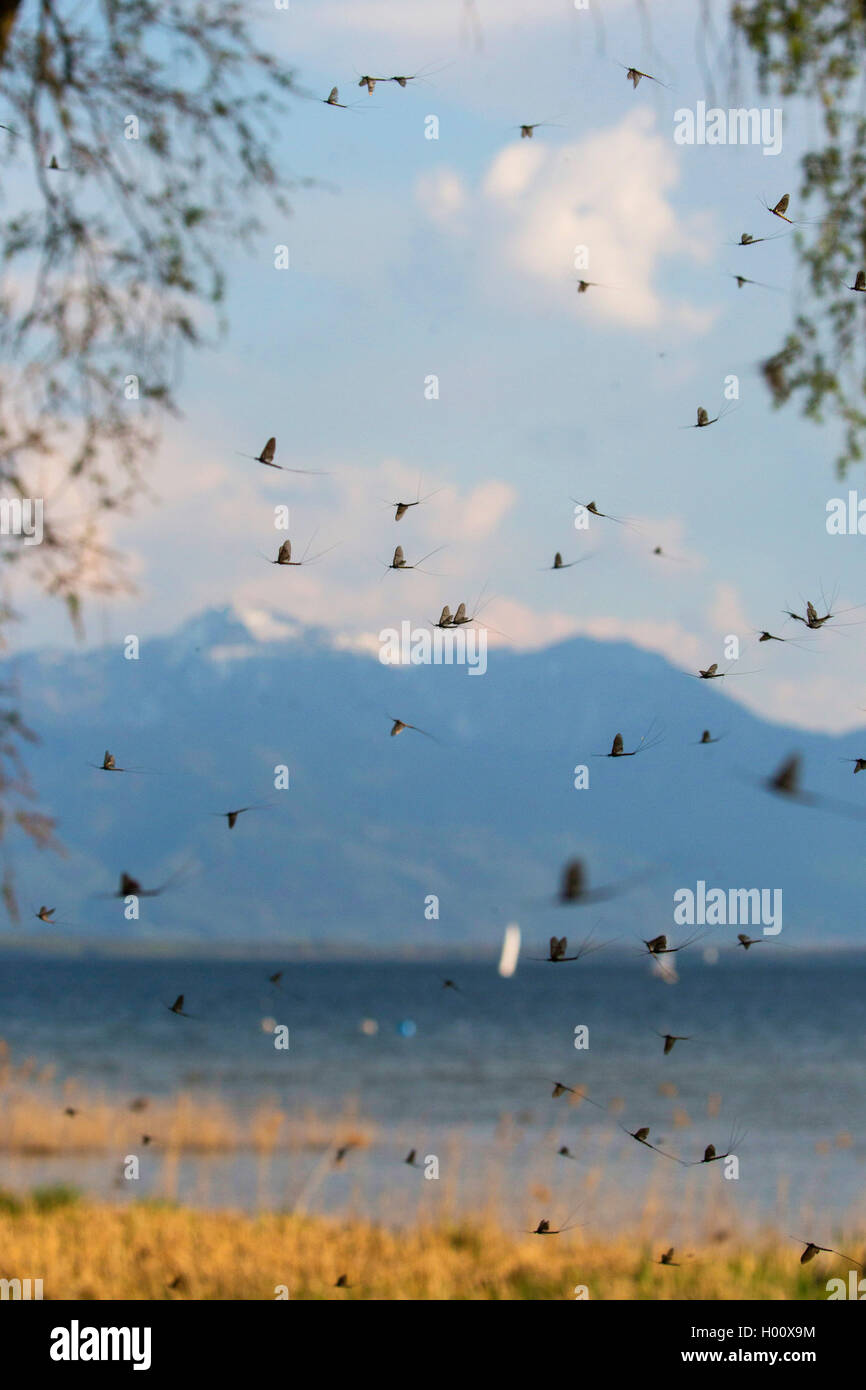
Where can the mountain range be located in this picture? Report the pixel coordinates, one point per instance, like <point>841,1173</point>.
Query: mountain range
<point>483,814</point>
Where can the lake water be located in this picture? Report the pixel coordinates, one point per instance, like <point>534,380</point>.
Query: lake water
<point>776,1054</point>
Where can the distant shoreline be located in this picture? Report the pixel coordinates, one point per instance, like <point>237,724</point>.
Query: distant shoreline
<point>350,952</point>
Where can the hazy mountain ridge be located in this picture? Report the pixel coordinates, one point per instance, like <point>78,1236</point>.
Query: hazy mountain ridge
<point>484,817</point>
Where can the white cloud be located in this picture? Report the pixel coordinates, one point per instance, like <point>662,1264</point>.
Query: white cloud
<point>538,202</point>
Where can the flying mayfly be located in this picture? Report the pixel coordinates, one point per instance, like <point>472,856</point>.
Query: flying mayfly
<point>606,516</point>
<point>398,725</point>
<point>267,458</point>
<point>781,208</point>
<point>704,420</point>
<point>652,737</point>
<point>785,781</point>
<point>746,941</point>
<point>671,1038</point>
<point>399,560</point>
<point>560,1089</point>
<point>405,79</point>
<point>108,764</point>
<point>634,75</point>
<point>560,564</point>
<point>232,816</point>
<point>584,285</point>
<point>574,887</point>
<point>284,554</point>
<point>812,1250</point>
<point>544,1228</point>
<point>46,915</point>
<point>813,620</point>
<point>746,239</point>
<point>658,946</point>
<point>710,1155</point>
<point>403,507</point>
<point>370,83</point>
<point>744,280</point>
<point>460,617</point>
<point>712,673</point>
<point>559,946</point>
<point>764,636</point>
<point>130,887</point>
<point>333,99</point>
<point>642,1137</point>
<point>527,131</point>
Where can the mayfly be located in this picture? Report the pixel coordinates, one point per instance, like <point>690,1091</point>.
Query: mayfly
<point>527,130</point>
<point>559,946</point>
<point>403,507</point>
<point>781,208</point>
<point>746,239</point>
<point>812,1250</point>
<point>642,1137</point>
<point>399,560</point>
<point>704,420</point>
<point>712,673</point>
<point>108,764</point>
<point>764,636</point>
<point>446,618</point>
<point>813,620</point>
<point>671,1038</point>
<point>544,1228</point>
<point>634,75</point>
<point>744,280</point>
<point>398,725</point>
<point>333,99</point>
<point>746,941</point>
<point>584,285</point>
<point>606,516</point>
<point>284,554</point>
<point>574,887</point>
<point>559,564</point>
<point>232,816</point>
<point>267,458</point>
<point>130,887</point>
<point>710,1155</point>
<point>786,782</point>
<point>652,737</point>
<point>421,76</point>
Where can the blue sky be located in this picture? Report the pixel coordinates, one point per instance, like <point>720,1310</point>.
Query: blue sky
<point>455,257</point>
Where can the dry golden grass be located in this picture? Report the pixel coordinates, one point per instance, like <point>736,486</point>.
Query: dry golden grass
<point>33,1122</point>
<point>147,1251</point>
